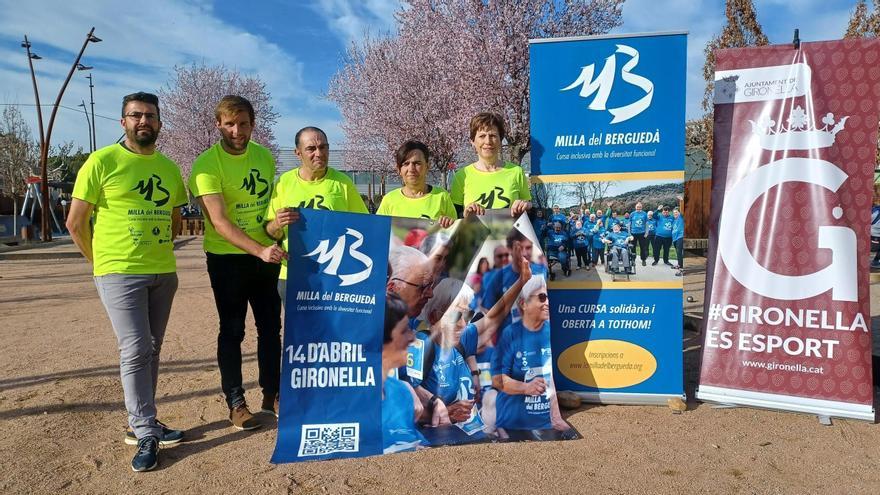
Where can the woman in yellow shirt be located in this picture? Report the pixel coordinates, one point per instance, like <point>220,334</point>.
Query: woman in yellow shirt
<point>417,198</point>
<point>490,183</point>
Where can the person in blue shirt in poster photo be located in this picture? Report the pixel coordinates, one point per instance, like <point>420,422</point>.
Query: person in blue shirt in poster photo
<point>619,242</point>
<point>400,406</point>
<point>527,399</point>
<point>663,235</point>
<point>557,245</point>
<point>557,215</point>
<point>638,228</point>
<point>581,239</point>
<point>598,231</point>
<point>678,239</point>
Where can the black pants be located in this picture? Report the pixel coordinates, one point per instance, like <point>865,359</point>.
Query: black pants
<point>679,251</point>
<point>583,256</point>
<point>662,243</point>
<point>239,280</point>
<point>642,242</point>
<point>599,254</point>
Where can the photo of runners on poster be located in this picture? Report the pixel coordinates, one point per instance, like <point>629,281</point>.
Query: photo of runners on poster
<point>608,231</point>
<point>441,347</point>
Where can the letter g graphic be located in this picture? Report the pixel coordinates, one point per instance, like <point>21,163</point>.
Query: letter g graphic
<point>839,276</point>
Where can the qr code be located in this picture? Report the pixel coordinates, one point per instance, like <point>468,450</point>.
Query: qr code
<point>329,438</point>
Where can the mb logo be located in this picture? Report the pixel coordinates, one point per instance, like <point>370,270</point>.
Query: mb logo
<point>488,200</point>
<point>153,191</point>
<point>603,83</point>
<point>840,275</point>
<point>255,184</point>
<point>333,257</point>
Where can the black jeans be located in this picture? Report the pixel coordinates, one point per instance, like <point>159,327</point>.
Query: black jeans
<point>583,256</point>
<point>662,243</point>
<point>237,280</point>
<point>642,242</point>
<point>679,251</point>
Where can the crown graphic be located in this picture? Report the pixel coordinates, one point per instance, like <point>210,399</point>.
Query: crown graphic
<point>800,134</point>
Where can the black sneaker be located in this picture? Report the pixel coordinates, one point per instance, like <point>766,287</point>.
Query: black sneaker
<point>654,264</point>
<point>147,456</point>
<point>644,263</point>
<point>168,436</point>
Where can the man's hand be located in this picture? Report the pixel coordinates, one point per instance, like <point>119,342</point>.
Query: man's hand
<point>273,254</point>
<point>439,415</point>
<point>460,411</point>
<point>536,387</point>
<point>519,207</point>
<point>445,222</point>
<point>286,216</point>
<point>474,209</point>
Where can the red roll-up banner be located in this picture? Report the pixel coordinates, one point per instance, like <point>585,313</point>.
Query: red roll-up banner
<point>788,321</point>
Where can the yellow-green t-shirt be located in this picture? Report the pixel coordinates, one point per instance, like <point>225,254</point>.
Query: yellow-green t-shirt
<point>134,196</point>
<point>432,206</point>
<point>335,191</point>
<point>245,181</point>
<point>493,190</point>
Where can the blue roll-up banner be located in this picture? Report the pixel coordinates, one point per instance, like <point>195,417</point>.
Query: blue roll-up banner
<point>608,104</point>
<point>607,136</point>
<point>354,384</point>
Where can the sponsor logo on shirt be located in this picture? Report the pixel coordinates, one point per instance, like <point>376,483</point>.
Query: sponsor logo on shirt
<point>255,184</point>
<point>151,189</point>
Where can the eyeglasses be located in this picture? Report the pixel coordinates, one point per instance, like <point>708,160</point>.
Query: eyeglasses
<point>503,255</point>
<point>542,297</point>
<point>140,115</point>
<point>457,315</point>
<point>422,287</point>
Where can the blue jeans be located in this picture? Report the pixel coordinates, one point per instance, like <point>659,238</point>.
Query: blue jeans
<point>138,307</point>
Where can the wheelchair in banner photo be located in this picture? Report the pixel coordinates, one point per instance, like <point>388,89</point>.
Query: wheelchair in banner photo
<point>619,261</point>
<point>558,257</point>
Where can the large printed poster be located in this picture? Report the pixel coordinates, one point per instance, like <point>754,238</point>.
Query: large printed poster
<point>399,337</point>
<point>607,124</point>
<point>788,316</point>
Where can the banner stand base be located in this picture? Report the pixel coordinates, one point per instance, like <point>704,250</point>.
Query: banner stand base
<point>618,398</point>
<point>818,407</point>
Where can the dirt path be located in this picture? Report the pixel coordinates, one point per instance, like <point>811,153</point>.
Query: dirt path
<point>62,421</point>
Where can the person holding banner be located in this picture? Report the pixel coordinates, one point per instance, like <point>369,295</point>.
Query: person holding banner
<point>399,413</point>
<point>312,185</point>
<point>417,198</point>
<point>232,181</point>
<point>489,183</point>
<point>678,239</point>
<point>527,400</point>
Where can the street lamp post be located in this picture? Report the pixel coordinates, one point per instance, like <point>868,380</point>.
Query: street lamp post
<point>46,232</point>
<point>92,101</point>
<point>88,124</point>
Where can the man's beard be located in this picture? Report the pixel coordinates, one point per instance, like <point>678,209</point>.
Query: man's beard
<point>233,146</point>
<point>144,139</point>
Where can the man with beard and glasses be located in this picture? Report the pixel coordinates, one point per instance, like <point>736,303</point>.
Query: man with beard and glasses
<point>233,183</point>
<point>135,193</point>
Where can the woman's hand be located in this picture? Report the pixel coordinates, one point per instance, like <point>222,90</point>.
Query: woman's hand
<point>474,209</point>
<point>519,207</point>
<point>445,222</point>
